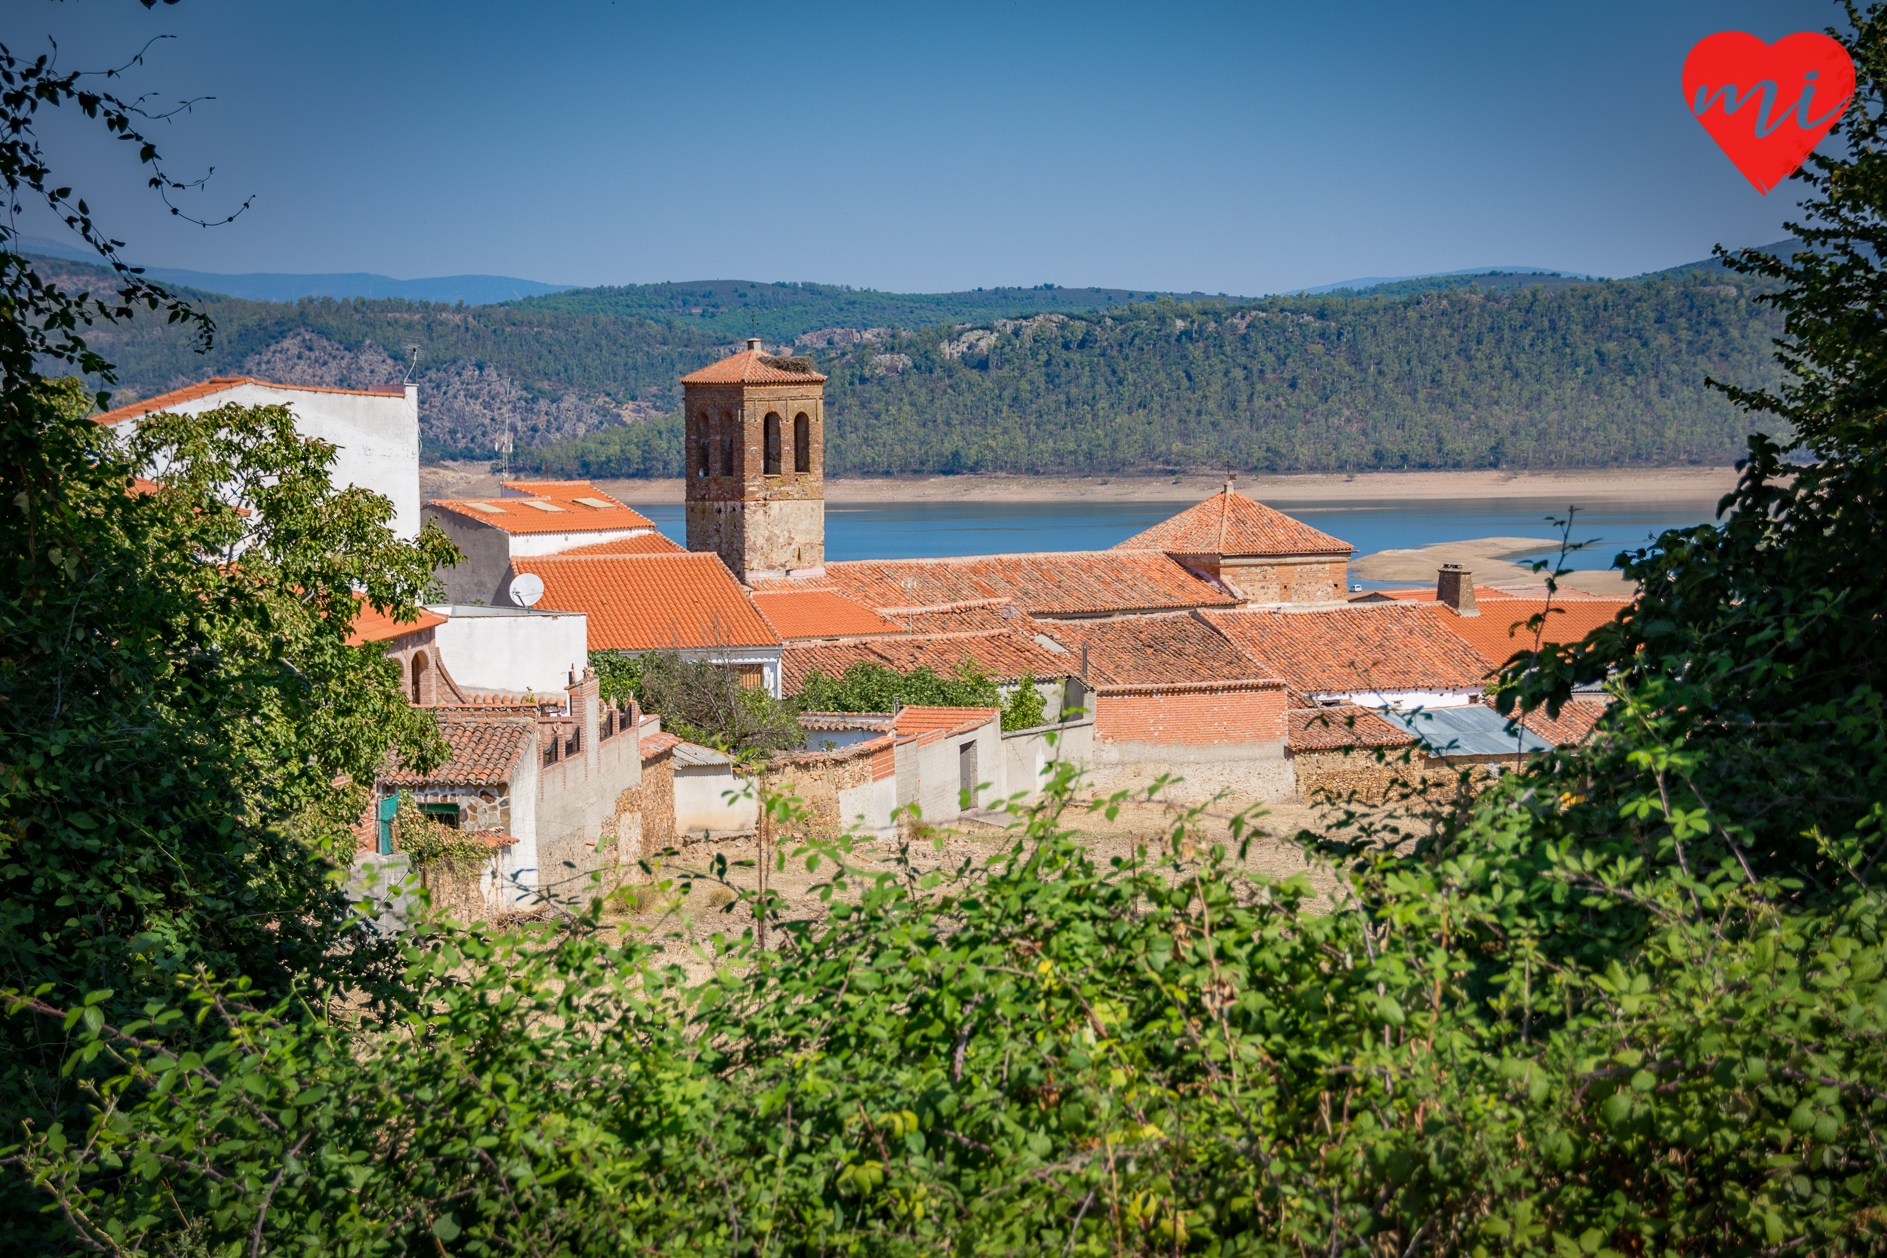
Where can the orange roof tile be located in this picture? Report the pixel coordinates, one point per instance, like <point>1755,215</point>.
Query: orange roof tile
<point>1005,656</point>
<point>1345,725</point>
<point>374,625</point>
<point>655,744</point>
<point>557,514</point>
<point>820,614</point>
<point>1070,583</point>
<point>641,544</point>
<point>1377,646</point>
<point>916,720</point>
<point>1229,523</point>
<point>1573,724</point>
<point>749,366</point>
<point>484,753</point>
<point>557,489</point>
<point>1500,632</point>
<point>1149,651</point>
<point>221,384</point>
<point>651,602</point>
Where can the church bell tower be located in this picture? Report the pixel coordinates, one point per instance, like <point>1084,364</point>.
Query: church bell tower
<point>755,463</point>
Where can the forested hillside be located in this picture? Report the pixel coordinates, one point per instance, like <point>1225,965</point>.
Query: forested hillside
<point>1576,374</point>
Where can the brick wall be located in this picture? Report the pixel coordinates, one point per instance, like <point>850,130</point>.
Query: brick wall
<point>1189,715</point>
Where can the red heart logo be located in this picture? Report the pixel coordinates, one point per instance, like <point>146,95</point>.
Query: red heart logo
<point>1767,105</point>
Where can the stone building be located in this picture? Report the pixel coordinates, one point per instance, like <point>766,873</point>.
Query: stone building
<point>755,463</point>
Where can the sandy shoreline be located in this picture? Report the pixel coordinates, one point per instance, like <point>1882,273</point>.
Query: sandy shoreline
<point>1613,485</point>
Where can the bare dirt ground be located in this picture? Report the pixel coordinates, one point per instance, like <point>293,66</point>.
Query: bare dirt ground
<point>685,924</point>
<point>472,479</point>
<point>1490,559</point>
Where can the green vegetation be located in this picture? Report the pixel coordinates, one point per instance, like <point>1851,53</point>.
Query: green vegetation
<point>1630,1000</point>
<point>699,702</point>
<point>867,687</point>
<point>1445,377</point>
<point>1588,374</point>
<point>730,310</point>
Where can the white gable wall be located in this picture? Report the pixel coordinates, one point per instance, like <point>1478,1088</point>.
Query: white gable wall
<point>376,436</point>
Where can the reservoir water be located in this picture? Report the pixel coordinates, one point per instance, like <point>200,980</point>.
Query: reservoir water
<point>935,530</point>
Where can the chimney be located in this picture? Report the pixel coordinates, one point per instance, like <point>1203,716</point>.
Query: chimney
<point>1231,482</point>
<point>753,345</point>
<point>1456,588</point>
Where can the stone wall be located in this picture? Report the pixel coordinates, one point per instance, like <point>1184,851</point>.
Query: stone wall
<point>1360,777</point>
<point>1317,579</point>
<point>820,780</point>
<point>645,814</point>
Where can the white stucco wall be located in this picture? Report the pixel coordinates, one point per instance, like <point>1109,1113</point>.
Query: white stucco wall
<point>1401,700</point>
<point>524,544</point>
<point>702,805</point>
<point>376,436</point>
<point>868,808</point>
<point>511,650</point>
<point>1027,754</point>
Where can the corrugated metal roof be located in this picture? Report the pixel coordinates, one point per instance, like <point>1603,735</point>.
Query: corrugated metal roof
<point>696,754</point>
<point>1467,731</point>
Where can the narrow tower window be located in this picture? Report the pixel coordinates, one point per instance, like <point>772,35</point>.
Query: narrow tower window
<point>703,427</point>
<point>727,454</point>
<point>802,443</point>
<point>772,428</point>
<point>419,676</point>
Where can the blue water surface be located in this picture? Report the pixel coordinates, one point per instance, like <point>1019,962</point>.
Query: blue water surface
<point>935,530</point>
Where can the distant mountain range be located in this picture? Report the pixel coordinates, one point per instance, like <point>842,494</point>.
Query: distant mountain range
<point>473,290</point>
<point>738,308</point>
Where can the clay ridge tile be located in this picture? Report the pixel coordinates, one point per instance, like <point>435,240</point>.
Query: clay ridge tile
<point>651,602</point>
<point>1229,523</point>
<point>1065,583</point>
<point>1148,650</point>
<point>747,367</point>
<point>221,384</point>
<point>1374,647</point>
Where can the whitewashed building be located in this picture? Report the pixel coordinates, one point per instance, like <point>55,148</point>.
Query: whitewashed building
<point>375,434</point>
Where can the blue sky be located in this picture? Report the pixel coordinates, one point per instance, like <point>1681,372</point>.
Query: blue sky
<point>1221,148</point>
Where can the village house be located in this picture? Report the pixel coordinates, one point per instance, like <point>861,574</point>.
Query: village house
<point>1256,553</point>
<point>530,519</point>
<point>1378,655</point>
<point>687,603</point>
<point>375,433</point>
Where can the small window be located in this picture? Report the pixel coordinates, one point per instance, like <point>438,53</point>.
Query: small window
<point>771,426</point>
<point>802,444</point>
<point>419,678</point>
<point>444,814</point>
<point>701,463</point>
<point>727,455</point>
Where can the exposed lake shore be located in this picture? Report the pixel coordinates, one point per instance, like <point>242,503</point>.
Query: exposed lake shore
<point>1611,485</point>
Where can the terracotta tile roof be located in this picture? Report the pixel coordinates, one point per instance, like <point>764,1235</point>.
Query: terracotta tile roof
<point>1326,729</point>
<point>748,367</point>
<point>1378,646</point>
<point>1572,725</point>
<point>916,720</point>
<point>651,602</point>
<point>1500,631</point>
<point>555,514</point>
<point>221,384</point>
<point>557,489</point>
<point>484,753</point>
<point>641,544</point>
<point>819,614</point>
<point>1002,654</point>
<point>655,744</point>
<point>1078,582</point>
<point>373,625</point>
<point>1229,523</point>
<point>1149,651</point>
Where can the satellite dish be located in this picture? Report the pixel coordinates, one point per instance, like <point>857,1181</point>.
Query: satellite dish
<point>526,589</point>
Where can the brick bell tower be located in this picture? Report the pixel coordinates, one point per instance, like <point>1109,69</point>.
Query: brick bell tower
<point>755,463</point>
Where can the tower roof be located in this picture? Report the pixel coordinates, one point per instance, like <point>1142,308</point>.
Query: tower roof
<point>1229,523</point>
<point>754,365</point>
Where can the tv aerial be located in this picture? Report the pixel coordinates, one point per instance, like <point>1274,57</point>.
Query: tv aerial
<point>412,366</point>
<point>526,589</point>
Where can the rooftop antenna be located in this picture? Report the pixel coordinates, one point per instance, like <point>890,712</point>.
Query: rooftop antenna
<point>413,366</point>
